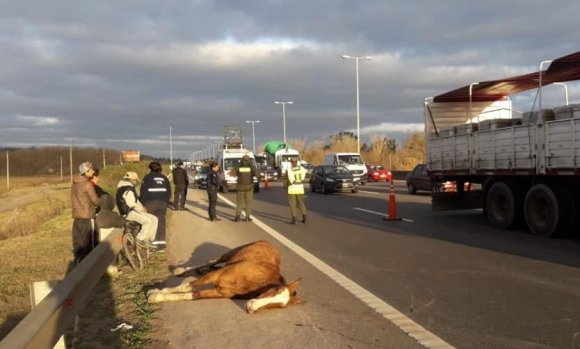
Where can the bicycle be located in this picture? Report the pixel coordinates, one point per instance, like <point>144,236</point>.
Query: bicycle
<point>133,250</point>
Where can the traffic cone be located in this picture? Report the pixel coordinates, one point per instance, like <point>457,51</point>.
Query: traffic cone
<point>392,205</point>
<point>266,181</point>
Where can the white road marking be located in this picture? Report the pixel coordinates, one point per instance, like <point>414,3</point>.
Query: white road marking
<point>410,327</point>
<point>369,192</point>
<point>382,214</point>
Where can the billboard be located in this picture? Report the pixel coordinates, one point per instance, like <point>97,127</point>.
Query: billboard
<point>130,156</point>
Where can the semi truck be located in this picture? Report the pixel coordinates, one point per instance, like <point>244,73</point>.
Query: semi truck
<point>279,155</point>
<point>522,169</point>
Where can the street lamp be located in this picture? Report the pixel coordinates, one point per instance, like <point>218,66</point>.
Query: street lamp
<point>254,134</point>
<point>284,115</point>
<point>565,89</point>
<point>356,58</point>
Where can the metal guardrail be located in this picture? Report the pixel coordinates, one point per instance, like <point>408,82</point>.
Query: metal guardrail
<point>44,325</point>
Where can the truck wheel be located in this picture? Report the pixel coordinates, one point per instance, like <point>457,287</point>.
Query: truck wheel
<point>411,189</point>
<point>504,206</point>
<point>549,210</point>
<point>256,188</point>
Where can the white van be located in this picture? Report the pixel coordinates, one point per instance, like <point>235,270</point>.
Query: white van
<point>229,159</point>
<point>352,161</point>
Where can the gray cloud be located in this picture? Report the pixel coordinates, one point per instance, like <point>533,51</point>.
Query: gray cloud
<point>119,74</point>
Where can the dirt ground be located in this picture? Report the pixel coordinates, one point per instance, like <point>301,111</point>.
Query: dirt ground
<point>19,197</point>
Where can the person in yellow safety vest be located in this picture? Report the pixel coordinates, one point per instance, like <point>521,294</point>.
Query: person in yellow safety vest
<point>294,181</point>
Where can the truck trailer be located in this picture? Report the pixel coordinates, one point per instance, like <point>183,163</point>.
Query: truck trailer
<point>522,169</point>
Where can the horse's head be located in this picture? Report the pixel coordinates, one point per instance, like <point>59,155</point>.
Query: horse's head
<point>275,297</point>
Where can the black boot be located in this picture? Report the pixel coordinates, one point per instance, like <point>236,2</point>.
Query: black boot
<point>293,221</point>
<point>304,219</point>
<point>248,218</point>
<point>237,219</point>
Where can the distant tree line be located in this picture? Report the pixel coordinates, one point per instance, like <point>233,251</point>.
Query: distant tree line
<point>47,160</point>
<point>380,150</point>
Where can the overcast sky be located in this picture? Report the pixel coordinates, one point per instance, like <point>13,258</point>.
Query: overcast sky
<point>119,74</point>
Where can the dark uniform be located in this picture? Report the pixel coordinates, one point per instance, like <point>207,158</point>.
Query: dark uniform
<point>181,181</point>
<point>213,185</point>
<point>245,188</point>
<point>155,194</point>
<point>294,182</point>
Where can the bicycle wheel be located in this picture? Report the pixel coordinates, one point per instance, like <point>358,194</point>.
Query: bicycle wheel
<point>131,252</point>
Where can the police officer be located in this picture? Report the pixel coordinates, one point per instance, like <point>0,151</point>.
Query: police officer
<point>181,181</point>
<point>155,194</point>
<point>245,188</point>
<point>213,184</point>
<point>294,178</point>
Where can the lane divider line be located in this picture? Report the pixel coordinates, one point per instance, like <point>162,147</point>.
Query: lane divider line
<point>410,327</point>
<point>381,214</point>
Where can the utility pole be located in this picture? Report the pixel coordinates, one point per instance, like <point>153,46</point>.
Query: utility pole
<point>104,161</point>
<point>61,168</point>
<point>7,170</point>
<point>71,159</point>
<point>170,149</point>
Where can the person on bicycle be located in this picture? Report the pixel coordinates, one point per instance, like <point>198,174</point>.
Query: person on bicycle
<point>132,209</point>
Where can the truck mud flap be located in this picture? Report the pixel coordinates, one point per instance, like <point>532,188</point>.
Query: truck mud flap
<point>445,201</point>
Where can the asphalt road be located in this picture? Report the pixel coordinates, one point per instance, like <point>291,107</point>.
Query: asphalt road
<point>470,284</point>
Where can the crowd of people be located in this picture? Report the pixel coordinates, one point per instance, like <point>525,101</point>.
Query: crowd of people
<point>92,207</point>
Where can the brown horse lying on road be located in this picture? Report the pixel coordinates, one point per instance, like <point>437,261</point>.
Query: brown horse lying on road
<point>250,271</point>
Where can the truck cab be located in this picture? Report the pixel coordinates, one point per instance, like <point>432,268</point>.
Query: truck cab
<point>230,159</point>
<point>352,161</point>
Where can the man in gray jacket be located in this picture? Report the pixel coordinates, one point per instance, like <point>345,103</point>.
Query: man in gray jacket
<point>84,200</point>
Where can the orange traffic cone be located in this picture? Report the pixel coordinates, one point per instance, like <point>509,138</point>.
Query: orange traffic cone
<point>392,215</point>
<point>266,181</point>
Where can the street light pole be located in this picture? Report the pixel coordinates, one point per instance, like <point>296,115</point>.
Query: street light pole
<point>284,115</point>
<point>170,149</point>
<point>540,89</point>
<point>356,58</point>
<point>254,134</point>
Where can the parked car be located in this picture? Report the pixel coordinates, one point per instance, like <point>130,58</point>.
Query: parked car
<point>331,178</point>
<point>200,177</point>
<point>419,179</point>
<point>378,173</point>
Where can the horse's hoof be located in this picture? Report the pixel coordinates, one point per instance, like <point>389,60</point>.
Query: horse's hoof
<point>154,297</point>
<point>153,291</point>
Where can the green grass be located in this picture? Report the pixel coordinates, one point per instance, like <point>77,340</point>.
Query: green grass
<point>45,252</point>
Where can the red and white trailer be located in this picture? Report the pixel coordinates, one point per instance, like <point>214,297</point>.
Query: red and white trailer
<point>523,168</point>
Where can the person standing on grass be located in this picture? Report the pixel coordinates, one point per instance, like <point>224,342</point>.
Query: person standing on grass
<point>84,200</point>
<point>155,194</point>
<point>181,181</point>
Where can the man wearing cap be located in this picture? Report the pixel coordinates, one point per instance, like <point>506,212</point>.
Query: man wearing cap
<point>245,188</point>
<point>294,182</point>
<point>130,207</point>
<point>84,200</point>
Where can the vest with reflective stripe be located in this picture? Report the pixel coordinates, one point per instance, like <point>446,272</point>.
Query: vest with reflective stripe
<point>295,177</point>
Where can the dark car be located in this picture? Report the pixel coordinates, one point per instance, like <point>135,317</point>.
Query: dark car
<point>419,179</point>
<point>330,178</point>
<point>308,167</point>
<point>270,171</point>
<point>200,177</point>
